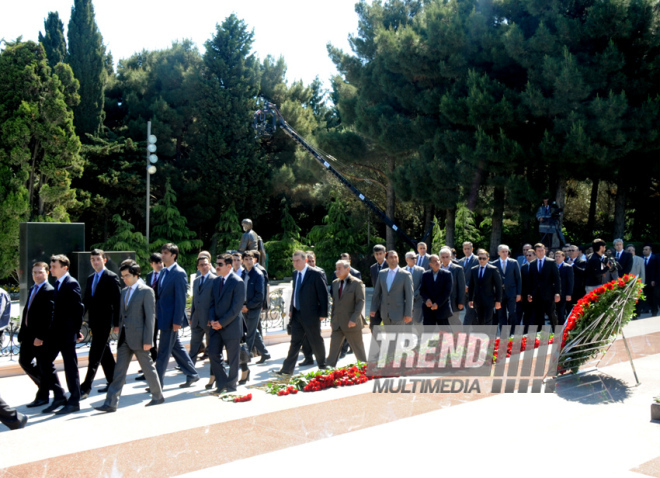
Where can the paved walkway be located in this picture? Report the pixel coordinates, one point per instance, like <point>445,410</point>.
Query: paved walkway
<point>595,425</point>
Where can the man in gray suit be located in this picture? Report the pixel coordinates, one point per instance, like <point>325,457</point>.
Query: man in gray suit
<point>136,334</point>
<point>417,273</point>
<point>457,297</point>
<point>199,313</point>
<point>347,318</point>
<point>512,283</point>
<point>393,293</point>
<point>423,257</point>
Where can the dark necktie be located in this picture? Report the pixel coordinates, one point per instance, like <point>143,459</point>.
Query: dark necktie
<point>97,277</point>
<point>222,284</point>
<point>341,288</point>
<point>57,286</point>
<point>540,266</point>
<point>646,261</point>
<point>297,295</point>
<point>201,283</point>
<point>154,280</point>
<point>481,272</point>
<point>128,297</point>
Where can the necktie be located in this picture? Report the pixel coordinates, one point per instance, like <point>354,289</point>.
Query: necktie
<point>618,255</point>
<point>504,267</point>
<point>96,281</point>
<point>162,277</point>
<point>646,261</point>
<point>201,283</point>
<point>154,280</point>
<point>390,279</point>
<point>481,272</point>
<point>222,284</point>
<point>540,266</point>
<point>297,295</point>
<point>128,297</point>
<point>57,286</point>
<point>419,261</point>
<point>341,288</point>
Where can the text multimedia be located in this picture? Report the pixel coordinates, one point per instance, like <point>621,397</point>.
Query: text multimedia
<point>426,385</point>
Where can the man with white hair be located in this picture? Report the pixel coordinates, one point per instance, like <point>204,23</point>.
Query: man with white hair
<point>457,298</point>
<point>417,272</point>
<point>509,270</point>
<point>625,259</point>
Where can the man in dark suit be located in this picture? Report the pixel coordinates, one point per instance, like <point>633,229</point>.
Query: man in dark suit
<point>566,276</point>
<point>201,301</point>
<point>484,289</point>
<point>135,329</point>
<point>525,308</point>
<point>226,324</point>
<point>254,298</point>
<point>102,305</point>
<point>545,287</point>
<point>156,263</point>
<point>468,263</point>
<point>417,272</point>
<point>347,313</point>
<point>651,272</point>
<point>380,264</point>
<point>309,307</point>
<point>393,295</point>
<point>171,316</point>
<point>597,266</point>
<point>10,417</point>
<point>68,311</point>
<point>258,339</point>
<point>422,257</point>
<point>509,270</point>
<point>625,259</point>
<point>306,348</point>
<point>457,298</point>
<point>579,266</point>
<point>35,323</point>
<point>436,293</point>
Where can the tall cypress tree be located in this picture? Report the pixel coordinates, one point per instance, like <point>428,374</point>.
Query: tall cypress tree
<point>53,39</point>
<point>87,60</point>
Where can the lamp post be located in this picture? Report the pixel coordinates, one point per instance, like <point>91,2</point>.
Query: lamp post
<point>151,169</point>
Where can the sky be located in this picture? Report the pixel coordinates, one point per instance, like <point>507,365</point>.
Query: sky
<point>298,30</point>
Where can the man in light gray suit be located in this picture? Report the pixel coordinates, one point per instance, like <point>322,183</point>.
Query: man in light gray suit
<point>136,334</point>
<point>457,297</point>
<point>201,302</point>
<point>512,284</point>
<point>393,293</point>
<point>417,273</point>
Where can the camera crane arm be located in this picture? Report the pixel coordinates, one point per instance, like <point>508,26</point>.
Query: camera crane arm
<point>265,128</point>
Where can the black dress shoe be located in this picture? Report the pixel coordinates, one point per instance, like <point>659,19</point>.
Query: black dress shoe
<point>323,367</point>
<point>104,389</point>
<point>155,402</point>
<point>306,362</point>
<point>243,381</point>
<point>20,422</point>
<point>189,382</point>
<point>263,359</point>
<point>342,355</point>
<point>106,408</point>
<point>55,405</point>
<point>68,409</point>
<point>140,377</point>
<point>281,373</point>
<point>37,403</point>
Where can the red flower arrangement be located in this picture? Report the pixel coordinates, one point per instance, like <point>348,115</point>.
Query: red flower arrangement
<point>320,380</point>
<point>523,344</point>
<point>236,398</point>
<point>616,297</point>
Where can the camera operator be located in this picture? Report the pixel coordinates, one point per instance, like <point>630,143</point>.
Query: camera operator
<point>549,216</point>
<point>598,265</point>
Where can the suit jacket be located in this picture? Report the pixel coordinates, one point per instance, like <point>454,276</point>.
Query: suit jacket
<point>68,309</point>
<point>349,307</point>
<point>226,305</point>
<point>150,276</point>
<point>547,283</point>
<point>103,307</point>
<point>138,318</point>
<point>425,262</point>
<point>172,293</point>
<point>651,269</point>
<point>438,291</point>
<point>566,274</point>
<point>254,289</point>
<point>487,290</point>
<point>626,262</point>
<point>201,301</point>
<point>638,269</point>
<point>579,270</point>
<point>521,260</point>
<point>398,302</point>
<point>313,294</point>
<point>417,274</point>
<point>524,275</point>
<point>354,272</point>
<point>511,280</point>
<point>264,272</point>
<point>457,286</point>
<point>595,270</point>
<point>39,315</point>
<point>374,270</point>
<point>467,267</point>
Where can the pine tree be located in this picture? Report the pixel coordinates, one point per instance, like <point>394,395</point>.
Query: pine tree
<point>87,60</point>
<point>53,39</point>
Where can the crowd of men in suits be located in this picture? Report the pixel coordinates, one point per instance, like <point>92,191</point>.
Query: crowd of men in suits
<point>538,286</point>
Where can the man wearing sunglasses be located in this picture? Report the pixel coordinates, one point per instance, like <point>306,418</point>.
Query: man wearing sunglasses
<point>485,289</point>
